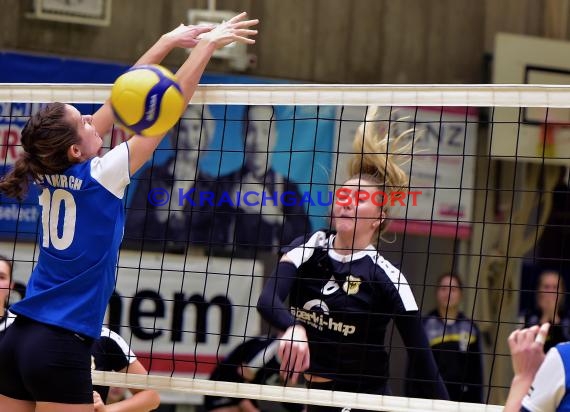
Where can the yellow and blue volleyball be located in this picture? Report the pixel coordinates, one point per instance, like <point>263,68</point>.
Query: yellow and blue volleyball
<point>147,100</point>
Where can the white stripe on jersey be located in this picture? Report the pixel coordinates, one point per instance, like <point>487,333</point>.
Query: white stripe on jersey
<point>549,384</point>
<point>303,252</point>
<point>108,333</point>
<point>7,321</point>
<point>399,281</point>
<point>112,170</point>
<point>264,356</point>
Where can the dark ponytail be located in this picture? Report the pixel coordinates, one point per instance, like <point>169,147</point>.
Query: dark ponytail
<point>46,138</point>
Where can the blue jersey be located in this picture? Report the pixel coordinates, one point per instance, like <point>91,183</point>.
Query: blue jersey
<point>550,390</point>
<point>82,225</point>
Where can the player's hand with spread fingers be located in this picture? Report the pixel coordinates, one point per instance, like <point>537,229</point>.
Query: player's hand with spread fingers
<point>187,36</point>
<point>294,353</point>
<point>236,29</point>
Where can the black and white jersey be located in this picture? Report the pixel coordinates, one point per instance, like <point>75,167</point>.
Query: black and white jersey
<point>346,303</point>
<point>6,321</point>
<point>110,353</point>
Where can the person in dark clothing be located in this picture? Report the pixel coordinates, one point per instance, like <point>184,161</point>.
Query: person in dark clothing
<point>456,342</point>
<point>6,286</point>
<point>550,309</point>
<point>343,294</point>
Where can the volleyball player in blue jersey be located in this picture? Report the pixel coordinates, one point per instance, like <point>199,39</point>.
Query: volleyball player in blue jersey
<point>45,356</point>
<point>342,293</point>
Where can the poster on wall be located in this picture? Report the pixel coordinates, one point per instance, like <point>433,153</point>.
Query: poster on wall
<point>242,178</point>
<point>440,163</point>
<point>233,179</point>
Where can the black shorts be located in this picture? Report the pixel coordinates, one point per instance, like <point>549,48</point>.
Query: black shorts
<point>44,363</point>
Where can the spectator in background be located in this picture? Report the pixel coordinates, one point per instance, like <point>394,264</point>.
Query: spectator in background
<point>253,361</point>
<point>456,343</point>
<point>549,308</point>
<point>6,285</point>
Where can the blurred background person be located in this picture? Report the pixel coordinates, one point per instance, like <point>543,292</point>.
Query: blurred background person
<point>6,286</point>
<point>456,342</point>
<point>550,308</point>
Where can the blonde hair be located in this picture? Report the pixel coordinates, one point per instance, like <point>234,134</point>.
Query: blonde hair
<point>377,157</point>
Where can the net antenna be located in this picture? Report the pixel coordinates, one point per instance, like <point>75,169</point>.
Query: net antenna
<point>235,53</point>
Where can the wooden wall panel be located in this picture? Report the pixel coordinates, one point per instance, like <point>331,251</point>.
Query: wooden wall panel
<point>331,39</point>
<point>284,47</point>
<point>405,30</point>
<point>363,54</point>
<point>356,41</point>
<point>454,48</point>
<point>9,20</point>
<point>512,16</point>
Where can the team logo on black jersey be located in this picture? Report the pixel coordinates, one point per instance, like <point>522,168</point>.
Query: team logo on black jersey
<point>352,285</point>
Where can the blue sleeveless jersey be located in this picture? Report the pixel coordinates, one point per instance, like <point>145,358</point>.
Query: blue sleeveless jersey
<point>82,226</point>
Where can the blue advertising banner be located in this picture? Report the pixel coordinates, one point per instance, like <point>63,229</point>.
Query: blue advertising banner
<point>231,178</point>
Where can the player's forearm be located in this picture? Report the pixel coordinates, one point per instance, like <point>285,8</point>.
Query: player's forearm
<point>247,406</point>
<point>146,400</point>
<point>157,52</point>
<point>103,119</point>
<point>519,388</point>
<point>191,71</point>
<point>271,302</point>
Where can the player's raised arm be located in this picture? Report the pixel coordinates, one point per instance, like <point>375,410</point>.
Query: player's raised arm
<point>236,29</point>
<point>185,36</point>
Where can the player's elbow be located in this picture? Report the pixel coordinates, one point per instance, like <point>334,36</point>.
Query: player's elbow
<point>153,400</point>
<point>264,306</point>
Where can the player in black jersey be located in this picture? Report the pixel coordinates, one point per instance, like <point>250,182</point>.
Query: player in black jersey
<point>342,293</point>
<point>111,353</point>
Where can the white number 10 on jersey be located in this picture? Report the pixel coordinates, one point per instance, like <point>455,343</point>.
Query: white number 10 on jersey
<point>51,207</point>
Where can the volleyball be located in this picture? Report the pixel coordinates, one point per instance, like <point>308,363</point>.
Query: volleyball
<point>147,100</point>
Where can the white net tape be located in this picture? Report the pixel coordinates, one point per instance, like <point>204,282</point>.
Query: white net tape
<point>507,95</point>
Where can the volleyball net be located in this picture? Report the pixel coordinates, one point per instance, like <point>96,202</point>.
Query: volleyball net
<point>250,168</point>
